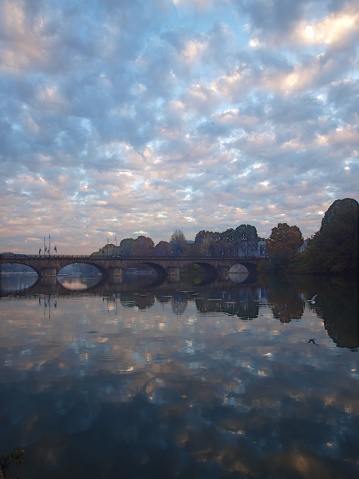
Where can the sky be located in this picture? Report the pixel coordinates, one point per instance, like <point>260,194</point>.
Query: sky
<point>133,117</point>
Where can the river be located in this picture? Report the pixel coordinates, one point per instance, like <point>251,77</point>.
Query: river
<point>181,380</point>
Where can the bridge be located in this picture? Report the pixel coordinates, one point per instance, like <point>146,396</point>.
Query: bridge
<point>113,268</point>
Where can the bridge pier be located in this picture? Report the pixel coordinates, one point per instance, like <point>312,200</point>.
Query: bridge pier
<point>222,273</point>
<point>48,281</point>
<point>116,274</point>
<point>48,276</point>
<point>173,273</point>
<point>48,272</point>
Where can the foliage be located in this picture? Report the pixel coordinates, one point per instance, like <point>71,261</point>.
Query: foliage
<point>108,250</point>
<point>7,461</point>
<point>246,233</point>
<point>282,246</point>
<point>334,248</point>
<point>126,247</point>
<point>163,248</point>
<point>178,237</point>
<point>242,241</point>
<point>262,266</point>
<point>143,246</point>
<point>286,236</point>
<point>203,243</point>
<point>178,243</point>
<point>247,240</point>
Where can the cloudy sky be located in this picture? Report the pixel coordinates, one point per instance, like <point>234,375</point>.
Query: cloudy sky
<point>139,117</point>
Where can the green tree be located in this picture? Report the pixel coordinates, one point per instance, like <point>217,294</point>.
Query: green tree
<point>334,248</point>
<point>246,240</point>
<point>223,248</point>
<point>8,461</point>
<point>127,247</point>
<point>241,241</point>
<point>229,235</point>
<point>203,243</point>
<point>282,247</point>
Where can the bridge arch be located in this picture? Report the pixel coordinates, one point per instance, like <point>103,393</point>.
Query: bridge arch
<point>160,270</point>
<point>242,271</point>
<point>22,263</point>
<point>104,272</point>
<point>251,267</point>
<point>210,270</point>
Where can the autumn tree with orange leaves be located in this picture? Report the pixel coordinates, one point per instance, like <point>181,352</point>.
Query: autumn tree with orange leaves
<point>282,246</point>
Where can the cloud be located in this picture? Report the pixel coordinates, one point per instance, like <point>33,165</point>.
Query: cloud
<point>127,117</point>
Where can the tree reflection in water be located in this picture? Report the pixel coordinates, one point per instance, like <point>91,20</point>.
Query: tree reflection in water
<point>284,297</point>
<point>181,380</point>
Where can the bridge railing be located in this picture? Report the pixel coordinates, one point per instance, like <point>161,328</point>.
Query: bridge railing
<point>146,258</point>
<point>42,256</point>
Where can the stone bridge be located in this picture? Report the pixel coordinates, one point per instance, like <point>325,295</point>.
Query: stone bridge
<point>113,267</point>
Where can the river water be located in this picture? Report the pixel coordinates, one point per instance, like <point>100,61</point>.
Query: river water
<point>181,380</point>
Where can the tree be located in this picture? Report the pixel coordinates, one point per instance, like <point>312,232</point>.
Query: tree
<point>203,243</point>
<point>282,247</point>
<point>246,240</point>
<point>108,250</point>
<point>126,247</point>
<point>178,237</point>
<point>343,213</point>
<point>223,248</point>
<point>143,246</point>
<point>286,236</point>
<point>334,248</point>
<point>178,243</point>
<point>163,248</point>
<point>226,243</point>
<point>7,461</point>
<point>242,241</point>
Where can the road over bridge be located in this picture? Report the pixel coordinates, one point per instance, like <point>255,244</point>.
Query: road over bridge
<point>113,267</point>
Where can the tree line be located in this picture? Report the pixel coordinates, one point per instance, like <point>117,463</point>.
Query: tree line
<point>233,242</point>
<point>332,249</point>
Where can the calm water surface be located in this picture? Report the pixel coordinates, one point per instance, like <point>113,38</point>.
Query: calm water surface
<point>227,380</point>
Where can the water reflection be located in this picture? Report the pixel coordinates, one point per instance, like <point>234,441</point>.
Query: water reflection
<point>182,381</point>
<point>239,277</point>
<point>78,283</point>
<point>285,299</point>
<point>14,282</point>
